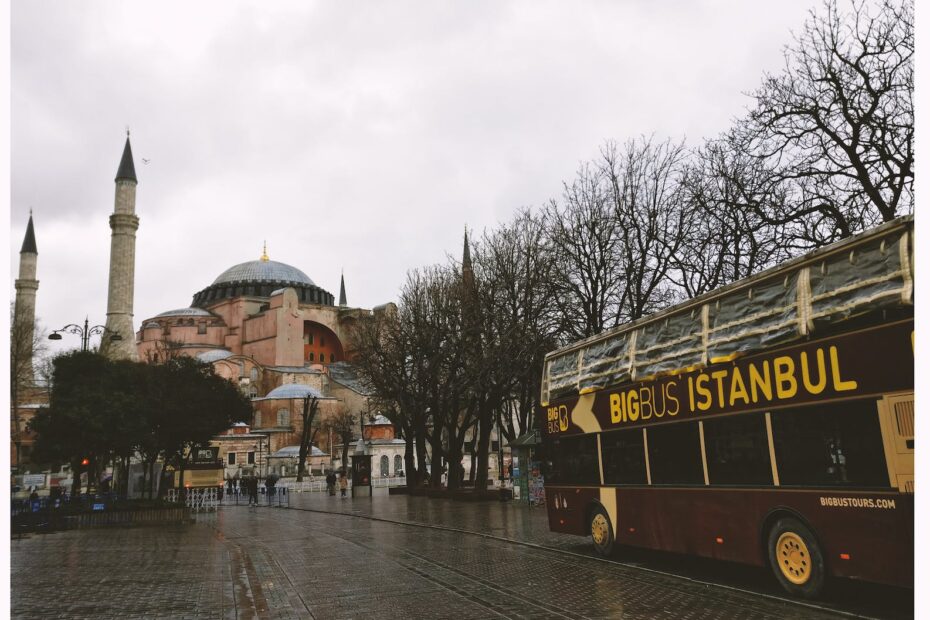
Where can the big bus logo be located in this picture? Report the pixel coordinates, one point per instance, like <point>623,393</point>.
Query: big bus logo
<point>557,419</point>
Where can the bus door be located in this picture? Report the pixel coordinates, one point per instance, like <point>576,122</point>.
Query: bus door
<point>896,413</point>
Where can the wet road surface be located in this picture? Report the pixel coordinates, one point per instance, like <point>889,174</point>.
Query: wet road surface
<point>331,558</point>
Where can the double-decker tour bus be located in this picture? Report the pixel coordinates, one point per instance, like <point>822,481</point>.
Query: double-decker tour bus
<point>768,422</point>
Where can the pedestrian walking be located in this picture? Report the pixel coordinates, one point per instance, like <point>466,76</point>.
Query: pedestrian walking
<point>331,482</point>
<point>343,484</point>
<point>253,490</point>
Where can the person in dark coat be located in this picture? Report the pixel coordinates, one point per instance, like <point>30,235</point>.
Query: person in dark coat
<point>331,482</point>
<point>253,490</point>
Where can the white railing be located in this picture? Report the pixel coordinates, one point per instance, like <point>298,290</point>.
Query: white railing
<point>319,484</point>
<point>198,500</point>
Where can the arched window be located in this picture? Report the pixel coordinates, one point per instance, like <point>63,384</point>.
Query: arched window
<point>332,357</point>
<point>253,375</point>
<point>284,417</point>
<point>385,465</point>
<point>253,392</point>
<point>322,357</point>
<point>241,368</point>
<point>398,464</point>
<point>258,419</point>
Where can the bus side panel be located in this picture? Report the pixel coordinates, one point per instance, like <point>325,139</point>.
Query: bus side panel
<point>567,508</point>
<point>864,535</point>
<point>873,531</point>
<point>713,524</point>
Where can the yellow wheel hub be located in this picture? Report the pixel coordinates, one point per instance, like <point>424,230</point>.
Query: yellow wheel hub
<point>600,530</point>
<point>794,559</point>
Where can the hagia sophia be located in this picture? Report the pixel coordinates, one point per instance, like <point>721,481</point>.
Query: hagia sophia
<point>268,327</point>
<point>262,324</point>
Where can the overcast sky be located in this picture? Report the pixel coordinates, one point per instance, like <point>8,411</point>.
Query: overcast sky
<point>358,136</point>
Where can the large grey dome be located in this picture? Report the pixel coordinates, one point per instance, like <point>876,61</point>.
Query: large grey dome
<point>263,271</point>
<point>261,278</point>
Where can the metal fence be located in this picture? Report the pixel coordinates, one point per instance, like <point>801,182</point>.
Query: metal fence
<point>319,484</point>
<point>277,496</point>
<point>198,500</point>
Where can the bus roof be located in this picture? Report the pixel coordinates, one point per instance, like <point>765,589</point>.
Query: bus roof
<point>791,301</point>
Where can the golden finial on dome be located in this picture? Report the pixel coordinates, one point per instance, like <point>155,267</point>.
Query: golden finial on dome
<point>264,251</point>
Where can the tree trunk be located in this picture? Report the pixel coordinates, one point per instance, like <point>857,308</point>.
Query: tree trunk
<point>75,479</point>
<point>413,476</point>
<point>484,441</point>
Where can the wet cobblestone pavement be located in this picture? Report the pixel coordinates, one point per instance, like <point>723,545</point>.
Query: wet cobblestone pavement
<point>303,563</point>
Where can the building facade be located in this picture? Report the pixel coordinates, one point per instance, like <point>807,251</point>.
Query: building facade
<point>265,325</point>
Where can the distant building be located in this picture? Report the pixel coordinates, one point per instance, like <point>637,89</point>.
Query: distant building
<point>267,326</point>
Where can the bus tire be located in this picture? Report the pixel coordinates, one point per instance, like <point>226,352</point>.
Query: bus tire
<point>602,532</point>
<point>795,558</point>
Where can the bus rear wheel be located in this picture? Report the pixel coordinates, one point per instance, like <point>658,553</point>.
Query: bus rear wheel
<point>602,534</point>
<point>796,558</point>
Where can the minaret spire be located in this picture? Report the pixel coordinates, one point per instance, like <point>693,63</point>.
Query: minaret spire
<point>468,275</point>
<point>123,223</point>
<point>29,241</point>
<point>466,253</point>
<point>342,290</point>
<point>127,170</point>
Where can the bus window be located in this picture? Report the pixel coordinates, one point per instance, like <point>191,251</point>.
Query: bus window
<point>737,449</point>
<point>624,457</point>
<point>572,460</point>
<point>830,445</point>
<point>675,454</point>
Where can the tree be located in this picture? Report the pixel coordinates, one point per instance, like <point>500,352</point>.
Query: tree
<point>725,190</point>
<point>100,410</point>
<point>836,127</point>
<point>310,406</point>
<point>196,404</point>
<point>77,425</point>
<point>583,237</point>
<point>643,188</point>
<point>342,424</point>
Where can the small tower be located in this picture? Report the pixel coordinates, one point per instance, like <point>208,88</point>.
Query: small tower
<point>123,222</point>
<point>342,291</point>
<point>24,309</point>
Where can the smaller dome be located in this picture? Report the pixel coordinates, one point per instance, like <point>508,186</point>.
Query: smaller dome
<point>291,390</point>
<point>294,452</point>
<point>380,420</point>
<point>184,312</point>
<point>213,355</point>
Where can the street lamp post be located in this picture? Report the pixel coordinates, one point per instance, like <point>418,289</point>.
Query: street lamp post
<point>84,332</point>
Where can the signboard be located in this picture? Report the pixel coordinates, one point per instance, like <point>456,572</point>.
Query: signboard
<point>537,492</point>
<point>208,454</point>
<point>34,480</point>
<point>853,365</point>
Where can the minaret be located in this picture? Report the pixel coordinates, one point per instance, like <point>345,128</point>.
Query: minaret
<point>24,310</point>
<point>124,224</point>
<point>468,276</point>
<point>342,290</point>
